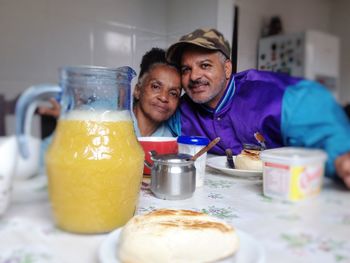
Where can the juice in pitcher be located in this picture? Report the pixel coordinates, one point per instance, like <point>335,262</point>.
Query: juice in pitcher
<point>94,167</point>
<point>94,163</point>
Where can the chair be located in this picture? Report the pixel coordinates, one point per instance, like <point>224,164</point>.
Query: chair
<point>7,107</point>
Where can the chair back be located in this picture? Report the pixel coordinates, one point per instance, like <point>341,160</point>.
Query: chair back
<point>7,107</point>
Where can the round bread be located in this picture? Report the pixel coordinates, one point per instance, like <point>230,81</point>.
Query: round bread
<point>249,160</point>
<point>176,236</point>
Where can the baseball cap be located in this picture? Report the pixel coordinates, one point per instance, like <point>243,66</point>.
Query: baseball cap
<point>208,38</point>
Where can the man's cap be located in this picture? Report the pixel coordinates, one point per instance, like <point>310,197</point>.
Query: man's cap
<point>208,38</point>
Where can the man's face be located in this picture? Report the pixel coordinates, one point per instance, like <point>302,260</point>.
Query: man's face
<point>159,93</point>
<point>204,75</point>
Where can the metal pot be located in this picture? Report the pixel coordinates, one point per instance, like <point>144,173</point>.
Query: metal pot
<point>173,176</point>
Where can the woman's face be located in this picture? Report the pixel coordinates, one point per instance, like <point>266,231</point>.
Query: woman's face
<point>158,93</point>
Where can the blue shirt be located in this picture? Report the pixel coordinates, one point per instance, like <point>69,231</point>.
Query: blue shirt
<point>164,130</point>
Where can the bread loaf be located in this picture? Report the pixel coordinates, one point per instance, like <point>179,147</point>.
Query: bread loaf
<point>249,160</point>
<point>176,236</point>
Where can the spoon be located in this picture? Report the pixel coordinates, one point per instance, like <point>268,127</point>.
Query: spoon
<point>261,140</point>
<point>205,149</point>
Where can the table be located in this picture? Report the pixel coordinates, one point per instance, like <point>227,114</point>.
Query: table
<point>314,230</point>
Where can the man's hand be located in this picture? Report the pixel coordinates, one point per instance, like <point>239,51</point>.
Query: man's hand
<point>53,111</point>
<point>342,167</point>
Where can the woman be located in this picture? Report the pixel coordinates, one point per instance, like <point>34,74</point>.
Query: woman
<point>156,96</point>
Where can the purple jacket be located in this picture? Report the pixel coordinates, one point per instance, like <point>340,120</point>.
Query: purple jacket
<point>251,103</point>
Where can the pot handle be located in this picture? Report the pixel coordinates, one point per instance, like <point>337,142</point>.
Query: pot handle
<point>148,164</point>
<point>153,153</point>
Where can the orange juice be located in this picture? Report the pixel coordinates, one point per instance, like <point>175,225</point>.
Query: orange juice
<point>94,167</point>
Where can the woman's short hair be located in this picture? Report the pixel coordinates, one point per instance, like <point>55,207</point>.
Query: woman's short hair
<point>154,57</point>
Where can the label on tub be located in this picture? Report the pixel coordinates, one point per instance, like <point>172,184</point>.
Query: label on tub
<point>292,182</point>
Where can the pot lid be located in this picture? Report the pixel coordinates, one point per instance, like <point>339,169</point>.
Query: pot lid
<point>180,158</point>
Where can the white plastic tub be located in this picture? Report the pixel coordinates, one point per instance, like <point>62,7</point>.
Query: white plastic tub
<point>291,173</point>
<point>191,145</point>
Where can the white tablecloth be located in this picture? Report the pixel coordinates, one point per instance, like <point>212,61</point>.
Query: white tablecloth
<point>314,230</point>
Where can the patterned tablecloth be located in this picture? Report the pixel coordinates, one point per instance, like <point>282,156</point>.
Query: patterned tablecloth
<point>314,230</point>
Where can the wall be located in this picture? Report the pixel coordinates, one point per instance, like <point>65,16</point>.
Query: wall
<point>184,16</point>
<point>297,16</point>
<point>340,26</point>
<point>39,36</point>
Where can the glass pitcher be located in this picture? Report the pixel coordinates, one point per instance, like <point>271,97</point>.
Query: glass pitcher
<point>94,163</point>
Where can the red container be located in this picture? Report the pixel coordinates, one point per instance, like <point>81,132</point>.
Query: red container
<point>162,145</point>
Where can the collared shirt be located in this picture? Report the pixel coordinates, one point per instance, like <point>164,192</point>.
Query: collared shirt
<point>163,130</point>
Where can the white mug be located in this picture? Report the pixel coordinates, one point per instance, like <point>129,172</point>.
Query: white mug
<point>8,153</point>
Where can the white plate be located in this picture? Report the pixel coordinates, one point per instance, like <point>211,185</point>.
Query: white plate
<point>250,251</point>
<point>219,163</point>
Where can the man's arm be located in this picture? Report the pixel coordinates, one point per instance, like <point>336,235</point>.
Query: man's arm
<point>342,167</point>
<point>312,118</point>
<point>53,111</point>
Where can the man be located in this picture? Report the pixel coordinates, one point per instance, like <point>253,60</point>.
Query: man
<point>287,111</point>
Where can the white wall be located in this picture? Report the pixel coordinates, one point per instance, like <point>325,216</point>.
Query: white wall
<point>340,26</point>
<point>296,15</point>
<point>39,36</point>
<point>184,16</point>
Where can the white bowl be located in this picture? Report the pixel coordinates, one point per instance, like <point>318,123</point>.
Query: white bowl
<point>8,152</point>
<point>26,168</point>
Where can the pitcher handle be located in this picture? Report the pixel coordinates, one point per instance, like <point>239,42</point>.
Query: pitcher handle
<point>24,110</point>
